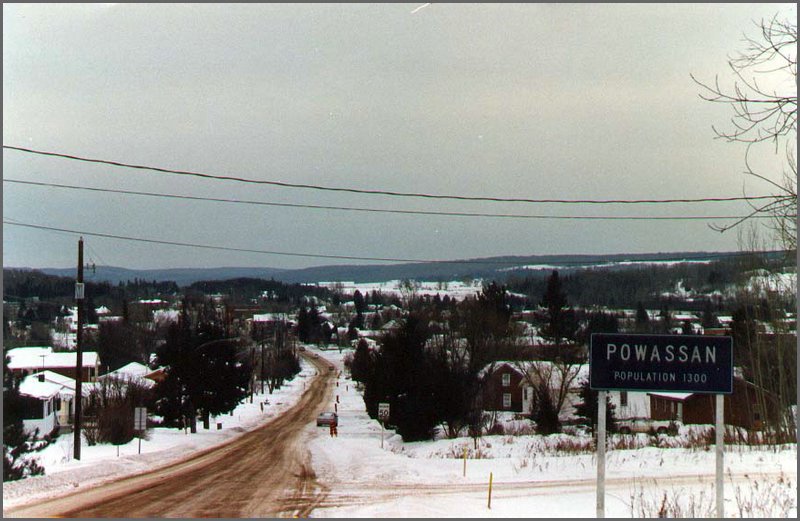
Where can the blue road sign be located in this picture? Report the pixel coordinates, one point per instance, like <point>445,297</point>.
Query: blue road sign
<point>680,363</point>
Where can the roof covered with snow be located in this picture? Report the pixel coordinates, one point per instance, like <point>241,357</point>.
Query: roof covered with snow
<point>131,369</point>
<point>671,396</point>
<point>44,357</point>
<point>31,386</point>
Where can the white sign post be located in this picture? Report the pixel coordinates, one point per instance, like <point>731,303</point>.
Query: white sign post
<point>720,449</point>
<point>678,363</point>
<point>601,454</point>
<point>383,415</point>
<point>140,423</point>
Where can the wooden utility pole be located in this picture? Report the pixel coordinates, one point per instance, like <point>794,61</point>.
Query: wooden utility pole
<point>262,366</point>
<point>79,296</point>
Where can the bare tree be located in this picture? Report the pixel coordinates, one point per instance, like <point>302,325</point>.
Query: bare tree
<point>764,103</point>
<point>556,378</point>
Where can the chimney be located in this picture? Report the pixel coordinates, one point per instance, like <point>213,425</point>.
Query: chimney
<point>41,377</point>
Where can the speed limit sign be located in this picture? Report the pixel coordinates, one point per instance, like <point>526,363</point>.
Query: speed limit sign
<point>383,411</point>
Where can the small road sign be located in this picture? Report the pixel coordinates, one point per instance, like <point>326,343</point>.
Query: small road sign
<point>383,411</point>
<point>140,418</point>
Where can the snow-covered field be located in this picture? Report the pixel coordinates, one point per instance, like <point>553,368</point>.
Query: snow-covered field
<point>550,267</point>
<point>426,479</point>
<point>455,289</point>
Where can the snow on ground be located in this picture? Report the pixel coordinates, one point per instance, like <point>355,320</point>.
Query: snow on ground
<point>550,267</point>
<point>425,479</point>
<point>101,463</point>
<point>458,290</point>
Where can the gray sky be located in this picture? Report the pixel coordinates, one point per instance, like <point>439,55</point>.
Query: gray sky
<point>525,100</point>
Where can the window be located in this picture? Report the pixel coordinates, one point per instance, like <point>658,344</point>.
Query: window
<point>623,398</point>
<point>506,380</point>
<point>506,400</point>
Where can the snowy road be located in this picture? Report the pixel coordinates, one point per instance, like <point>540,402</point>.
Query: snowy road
<point>263,473</point>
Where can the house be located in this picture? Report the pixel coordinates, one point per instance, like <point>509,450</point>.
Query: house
<point>39,405</point>
<point>509,386</point>
<point>742,408</point>
<point>65,408</point>
<point>561,379</point>
<point>503,388</point>
<point>132,371</point>
<point>266,325</point>
<point>28,360</point>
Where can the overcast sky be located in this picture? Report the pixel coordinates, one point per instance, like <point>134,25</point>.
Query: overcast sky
<point>526,100</point>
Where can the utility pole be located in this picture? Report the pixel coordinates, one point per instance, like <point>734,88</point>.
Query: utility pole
<point>262,366</point>
<point>79,296</point>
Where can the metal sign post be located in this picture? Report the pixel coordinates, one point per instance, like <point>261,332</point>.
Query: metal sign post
<point>140,423</point>
<point>601,454</point>
<point>720,449</point>
<point>677,363</point>
<point>383,415</point>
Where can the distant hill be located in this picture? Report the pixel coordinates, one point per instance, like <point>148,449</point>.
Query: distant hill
<point>498,268</point>
<point>181,276</point>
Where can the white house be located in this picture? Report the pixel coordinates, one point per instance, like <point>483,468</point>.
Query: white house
<point>133,371</point>
<point>39,400</point>
<point>27,360</point>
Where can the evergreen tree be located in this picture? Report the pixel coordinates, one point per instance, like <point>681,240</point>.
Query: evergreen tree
<point>709,319</point>
<point>666,320</point>
<point>203,374</point>
<point>545,413</point>
<point>303,325</point>
<point>224,379</point>
<point>377,321</point>
<point>359,302</point>
<point>405,380</point>
<point>642,318</point>
<point>586,409</point>
<point>599,322</point>
<point>359,369</point>
<point>561,324</point>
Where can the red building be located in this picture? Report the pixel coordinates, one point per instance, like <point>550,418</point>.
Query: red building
<point>503,387</point>
<point>743,408</point>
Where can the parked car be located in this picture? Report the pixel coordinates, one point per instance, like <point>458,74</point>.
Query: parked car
<point>634,425</point>
<point>327,418</point>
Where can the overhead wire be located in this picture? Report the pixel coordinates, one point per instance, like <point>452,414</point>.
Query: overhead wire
<point>422,195</point>
<point>376,210</point>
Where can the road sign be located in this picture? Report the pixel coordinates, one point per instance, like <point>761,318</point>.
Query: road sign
<point>682,363</point>
<point>383,411</point>
<point>140,418</point>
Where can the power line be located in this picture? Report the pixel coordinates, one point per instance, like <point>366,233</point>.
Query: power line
<point>283,184</point>
<point>14,222</point>
<point>382,210</point>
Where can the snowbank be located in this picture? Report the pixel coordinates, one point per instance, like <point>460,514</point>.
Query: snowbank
<point>102,463</point>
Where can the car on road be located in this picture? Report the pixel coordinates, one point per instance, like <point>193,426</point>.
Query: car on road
<point>327,418</point>
<point>315,355</point>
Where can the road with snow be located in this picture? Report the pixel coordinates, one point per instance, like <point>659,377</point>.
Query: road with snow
<point>282,465</point>
<point>263,473</point>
